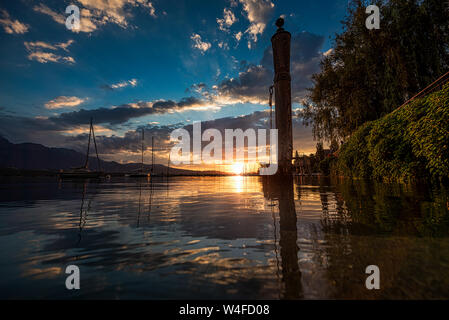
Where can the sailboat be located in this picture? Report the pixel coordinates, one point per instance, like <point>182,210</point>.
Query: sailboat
<point>140,173</point>
<point>84,172</point>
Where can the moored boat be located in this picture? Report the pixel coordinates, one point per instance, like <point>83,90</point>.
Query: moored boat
<point>80,173</point>
<point>84,172</point>
<point>141,173</point>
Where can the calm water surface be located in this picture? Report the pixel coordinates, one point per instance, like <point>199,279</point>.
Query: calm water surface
<point>222,237</point>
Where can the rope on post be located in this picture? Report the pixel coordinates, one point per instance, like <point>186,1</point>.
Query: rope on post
<point>270,102</point>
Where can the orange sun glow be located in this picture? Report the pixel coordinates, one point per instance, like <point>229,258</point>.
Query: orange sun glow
<point>237,168</point>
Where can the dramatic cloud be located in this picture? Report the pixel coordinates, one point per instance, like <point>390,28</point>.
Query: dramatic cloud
<point>58,17</point>
<point>44,57</point>
<point>251,86</point>
<point>86,20</point>
<point>238,35</point>
<point>69,129</point>
<point>115,11</point>
<point>228,20</point>
<point>55,132</point>
<point>123,113</point>
<point>254,80</point>
<point>152,11</point>
<point>48,130</point>
<point>259,13</point>
<point>36,53</point>
<point>65,45</point>
<point>122,84</point>
<point>126,147</point>
<point>199,44</point>
<point>64,102</point>
<point>98,13</point>
<point>131,141</point>
<point>12,26</point>
<point>255,120</point>
<point>31,46</point>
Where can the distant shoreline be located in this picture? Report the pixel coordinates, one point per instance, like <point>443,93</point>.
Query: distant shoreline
<point>13,172</point>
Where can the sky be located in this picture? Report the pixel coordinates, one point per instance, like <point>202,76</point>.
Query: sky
<point>156,65</point>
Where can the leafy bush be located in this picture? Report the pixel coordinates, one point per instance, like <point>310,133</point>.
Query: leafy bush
<point>408,144</point>
<point>390,149</point>
<point>430,133</point>
<point>353,156</point>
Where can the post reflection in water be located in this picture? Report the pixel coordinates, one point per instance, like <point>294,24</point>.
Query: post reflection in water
<point>281,189</point>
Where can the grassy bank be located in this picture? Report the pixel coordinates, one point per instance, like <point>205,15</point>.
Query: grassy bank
<point>411,143</point>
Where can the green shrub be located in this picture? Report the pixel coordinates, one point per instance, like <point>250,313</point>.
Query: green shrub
<point>429,134</point>
<point>408,144</point>
<point>353,156</point>
<point>390,149</point>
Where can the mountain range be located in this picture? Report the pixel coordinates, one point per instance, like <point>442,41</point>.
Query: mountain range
<point>32,156</point>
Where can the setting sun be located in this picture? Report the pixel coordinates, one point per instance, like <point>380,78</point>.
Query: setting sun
<point>237,168</point>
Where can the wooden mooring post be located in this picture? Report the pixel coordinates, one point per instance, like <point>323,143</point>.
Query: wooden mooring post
<point>283,100</point>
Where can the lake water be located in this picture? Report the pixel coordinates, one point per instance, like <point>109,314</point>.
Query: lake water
<point>222,237</point>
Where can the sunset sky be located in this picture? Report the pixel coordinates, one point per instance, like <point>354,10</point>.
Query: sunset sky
<point>157,65</point>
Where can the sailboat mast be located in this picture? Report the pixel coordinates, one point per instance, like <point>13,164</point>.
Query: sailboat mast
<point>95,143</point>
<point>86,164</point>
<point>143,133</point>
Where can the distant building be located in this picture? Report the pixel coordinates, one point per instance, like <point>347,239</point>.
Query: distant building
<point>306,165</point>
<point>302,165</point>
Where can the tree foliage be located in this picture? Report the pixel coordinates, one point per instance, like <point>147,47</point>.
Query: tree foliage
<point>369,73</point>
